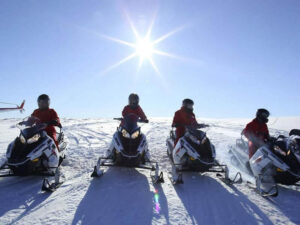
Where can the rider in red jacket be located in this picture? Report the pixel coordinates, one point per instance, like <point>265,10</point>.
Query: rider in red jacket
<point>184,117</point>
<point>47,115</point>
<point>257,131</point>
<point>134,108</point>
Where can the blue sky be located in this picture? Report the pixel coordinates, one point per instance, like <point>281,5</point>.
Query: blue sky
<point>235,56</point>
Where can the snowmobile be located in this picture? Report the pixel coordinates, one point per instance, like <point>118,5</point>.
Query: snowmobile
<point>129,148</point>
<point>33,152</point>
<point>276,162</point>
<point>194,152</point>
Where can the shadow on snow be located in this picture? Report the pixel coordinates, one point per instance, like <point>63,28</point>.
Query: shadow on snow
<point>121,196</point>
<point>208,202</point>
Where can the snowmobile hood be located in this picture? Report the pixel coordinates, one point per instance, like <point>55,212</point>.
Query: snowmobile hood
<point>130,124</point>
<point>29,132</point>
<point>31,126</point>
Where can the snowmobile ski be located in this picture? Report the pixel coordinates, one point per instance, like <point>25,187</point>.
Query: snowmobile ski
<point>273,192</point>
<point>236,180</point>
<point>176,180</point>
<point>50,187</point>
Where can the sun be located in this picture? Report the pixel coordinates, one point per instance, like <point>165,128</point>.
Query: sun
<point>144,48</point>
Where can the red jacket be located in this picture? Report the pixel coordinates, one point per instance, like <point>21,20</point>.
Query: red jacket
<point>45,116</point>
<point>256,133</point>
<point>182,118</point>
<point>137,111</point>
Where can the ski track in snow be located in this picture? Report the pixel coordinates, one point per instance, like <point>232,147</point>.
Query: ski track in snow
<point>127,196</point>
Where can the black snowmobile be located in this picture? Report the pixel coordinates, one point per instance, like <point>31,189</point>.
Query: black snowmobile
<point>276,162</point>
<point>129,148</point>
<point>33,152</point>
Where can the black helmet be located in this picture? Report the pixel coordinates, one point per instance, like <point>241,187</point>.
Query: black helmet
<point>133,100</point>
<point>43,97</point>
<point>262,115</point>
<point>43,101</point>
<point>188,104</point>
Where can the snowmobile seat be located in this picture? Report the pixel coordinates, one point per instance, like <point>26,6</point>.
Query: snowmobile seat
<point>294,132</point>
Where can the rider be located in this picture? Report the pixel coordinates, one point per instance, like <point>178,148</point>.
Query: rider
<point>257,131</point>
<point>133,107</point>
<point>47,115</point>
<point>184,117</point>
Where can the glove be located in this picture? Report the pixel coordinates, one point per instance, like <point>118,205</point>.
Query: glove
<point>146,121</point>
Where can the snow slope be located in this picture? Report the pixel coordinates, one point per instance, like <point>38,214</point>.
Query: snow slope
<point>127,196</point>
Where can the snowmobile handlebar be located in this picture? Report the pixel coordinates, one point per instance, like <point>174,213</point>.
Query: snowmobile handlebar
<point>139,120</point>
<point>197,126</point>
<point>54,123</point>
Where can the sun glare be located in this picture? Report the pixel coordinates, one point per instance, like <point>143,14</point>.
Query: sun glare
<point>144,48</point>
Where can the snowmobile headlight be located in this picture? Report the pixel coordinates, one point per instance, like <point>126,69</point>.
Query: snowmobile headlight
<point>278,150</point>
<point>135,134</point>
<point>33,139</point>
<point>22,139</point>
<point>125,134</point>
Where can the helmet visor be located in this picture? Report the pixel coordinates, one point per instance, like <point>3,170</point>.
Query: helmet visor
<point>44,104</point>
<point>189,106</point>
<point>264,115</point>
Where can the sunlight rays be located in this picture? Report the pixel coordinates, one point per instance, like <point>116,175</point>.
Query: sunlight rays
<point>144,47</point>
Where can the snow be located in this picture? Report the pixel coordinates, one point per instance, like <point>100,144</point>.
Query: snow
<point>127,196</point>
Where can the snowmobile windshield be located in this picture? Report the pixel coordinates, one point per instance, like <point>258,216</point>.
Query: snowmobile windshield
<point>30,126</point>
<point>129,123</point>
<point>196,136</point>
<point>280,147</point>
<point>199,134</point>
<point>294,146</point>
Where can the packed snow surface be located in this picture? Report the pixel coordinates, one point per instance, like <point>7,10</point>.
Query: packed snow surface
<point>127,196</point>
